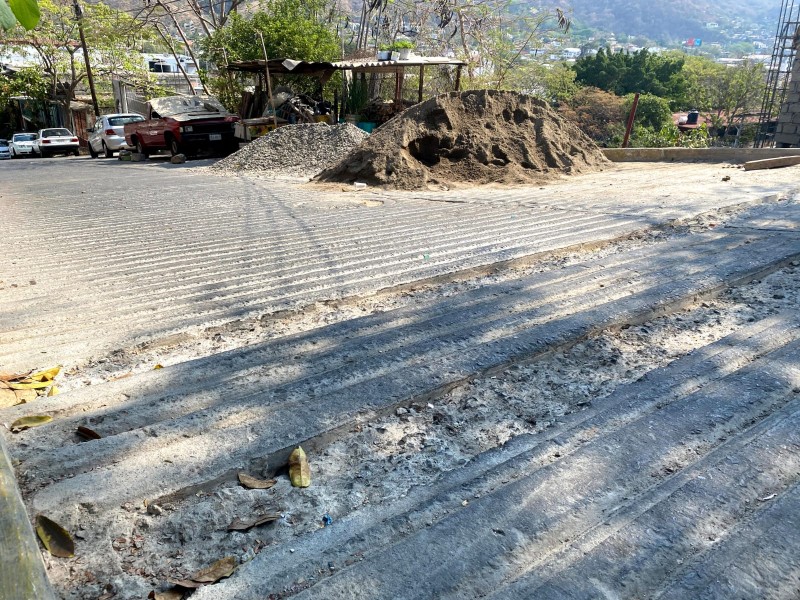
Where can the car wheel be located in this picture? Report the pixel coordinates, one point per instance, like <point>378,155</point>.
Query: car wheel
<point>92,153</point>
<point>13,154</point>
<point>174,147</point>
<point>76,153</point>
<point>140,149</point>
<point>107,152</point>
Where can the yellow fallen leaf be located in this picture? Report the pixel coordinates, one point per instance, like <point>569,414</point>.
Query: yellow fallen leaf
<point>29,385</point>
<point>28,422</point>
<point>46,375</point>
<point>299,470</point>
<point>158,366</point>
<point>54,537</point>
<point>53,391</point>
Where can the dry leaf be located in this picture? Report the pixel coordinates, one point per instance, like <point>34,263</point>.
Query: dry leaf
<point>167,595</point>
<point>240,525</point>
<point>88,434</point>
<point>254,483</point>
<point>54,537</point>
<point>53,391</point>
<point>8,398</point>
<point>25,396</point>
<point>158,366</point>
<point>27,422</point>
<point>299,471</point>
<point>118,377</point>
<point>222,568</point>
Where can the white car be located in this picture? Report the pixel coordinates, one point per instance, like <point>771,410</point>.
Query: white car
<point>55,140</point>
<point>108,135</point>
<point>22,144</point>
<point>5,150</point>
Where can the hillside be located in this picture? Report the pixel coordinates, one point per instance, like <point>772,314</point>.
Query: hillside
<point>666,20</point>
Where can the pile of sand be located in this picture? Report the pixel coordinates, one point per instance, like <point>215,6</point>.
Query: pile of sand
<point>482,136</point>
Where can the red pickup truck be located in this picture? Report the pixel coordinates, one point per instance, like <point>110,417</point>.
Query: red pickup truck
<point>183,125</point>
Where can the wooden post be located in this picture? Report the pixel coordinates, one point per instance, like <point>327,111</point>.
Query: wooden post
<point>21,568</point>
<point>458,78</point>
<point>398,88</point>
<point>269,82</point>
<point>421,80</point>
<point>631,117</point>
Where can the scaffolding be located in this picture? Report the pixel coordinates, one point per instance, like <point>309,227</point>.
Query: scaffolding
<point>780,69</point>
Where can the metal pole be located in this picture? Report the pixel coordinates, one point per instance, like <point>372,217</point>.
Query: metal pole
<point>269,82</point>
<point>79,17</point>
<point>631,117</point>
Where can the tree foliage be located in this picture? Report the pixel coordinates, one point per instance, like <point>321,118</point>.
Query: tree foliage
<point>22,12</point>
<point>652,112</point>
<point>109,34</point>
<point>598,113</point>
<point>626,73</point>
<point>290,28</point>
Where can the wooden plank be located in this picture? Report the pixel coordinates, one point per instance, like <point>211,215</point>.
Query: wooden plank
<point>21,568</point>
<point>772,163</point>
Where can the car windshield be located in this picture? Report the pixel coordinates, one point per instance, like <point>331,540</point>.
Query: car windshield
<point>24,137</point>
<point>120,121</point>
<point>46,133</point>
<point>3,142</point>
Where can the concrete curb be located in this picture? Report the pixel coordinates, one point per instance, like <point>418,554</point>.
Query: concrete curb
<point>21,567</point>
<point>736,155</point>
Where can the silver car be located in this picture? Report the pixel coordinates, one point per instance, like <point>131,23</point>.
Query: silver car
<point>108,135</point>
<point>22,144</point>
<point>5,150</point>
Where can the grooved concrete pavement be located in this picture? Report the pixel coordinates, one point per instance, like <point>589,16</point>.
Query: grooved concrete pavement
<point>104,255</point>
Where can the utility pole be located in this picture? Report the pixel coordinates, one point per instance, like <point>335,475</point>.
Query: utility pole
<point>79,17</point>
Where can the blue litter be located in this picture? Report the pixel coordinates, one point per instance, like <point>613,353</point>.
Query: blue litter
<point>326,520</point>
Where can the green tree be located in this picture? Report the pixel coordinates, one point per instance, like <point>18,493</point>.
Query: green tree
<point>625,73</point>
<point>109,34</point>
<point>290,29</point>
<point>652,112</point>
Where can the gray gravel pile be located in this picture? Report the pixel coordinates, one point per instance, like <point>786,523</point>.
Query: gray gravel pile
<point>294,150</point>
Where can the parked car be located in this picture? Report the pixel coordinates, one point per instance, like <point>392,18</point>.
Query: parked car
<point>55,140</point>
<point>108,134</point>
<point>22,144</point>
<point>5,150</point>
<point>184,125</point>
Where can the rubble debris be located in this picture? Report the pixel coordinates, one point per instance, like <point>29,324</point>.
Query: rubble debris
<point>301,150</point>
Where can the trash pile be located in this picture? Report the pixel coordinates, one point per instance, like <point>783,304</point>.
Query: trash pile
<point>301,150</point>
<point>482,136</point>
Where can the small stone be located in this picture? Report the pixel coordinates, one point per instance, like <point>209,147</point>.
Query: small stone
<point>401,411</point>
<point>155,509</point>
<point>178,159</point>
